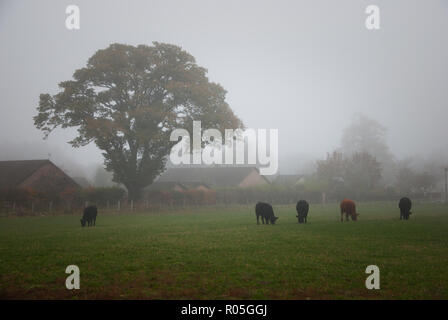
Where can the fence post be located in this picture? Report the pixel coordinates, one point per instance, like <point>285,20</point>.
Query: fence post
<point>132,205</point>
<point>118,205</point>
<point>32,207</point>
<point>50,206</point>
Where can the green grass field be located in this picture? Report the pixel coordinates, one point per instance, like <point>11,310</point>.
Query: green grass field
<point>223,254</point>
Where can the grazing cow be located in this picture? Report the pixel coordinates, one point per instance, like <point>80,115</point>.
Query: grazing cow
<point>405,205</point>
<point>302,208</point>
<point>348,207</point>
<point>89,216</point>
<point>266,212</point>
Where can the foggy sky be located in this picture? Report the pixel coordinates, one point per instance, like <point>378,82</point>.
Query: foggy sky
<point>303,67</point>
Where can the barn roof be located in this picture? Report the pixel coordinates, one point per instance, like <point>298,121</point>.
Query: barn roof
<point>83,182</point>
<point>288,179</point>
<point>163,186</point>
<point>12,173</point>
<point>218,177</point>
<point>194,184</point>
<point>170,185</point>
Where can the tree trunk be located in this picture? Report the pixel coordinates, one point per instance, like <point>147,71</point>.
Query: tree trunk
<point>134,193</point>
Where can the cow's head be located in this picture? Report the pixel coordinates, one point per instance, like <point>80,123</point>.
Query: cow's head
<point>355,217</point>
<point>273,219</point>
<point>83,222</point>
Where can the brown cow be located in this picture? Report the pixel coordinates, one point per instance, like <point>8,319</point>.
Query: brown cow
<point>348,207</point>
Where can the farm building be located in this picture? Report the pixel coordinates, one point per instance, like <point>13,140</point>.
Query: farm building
<point>42,176</point>
<point>165,186</point>
<point>83,182</point>
<point>194,192</point>
<point>289,179</point>
<point>176,186</point>
<point>213,177</point>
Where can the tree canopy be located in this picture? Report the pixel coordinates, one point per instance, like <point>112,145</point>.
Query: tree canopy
<point>366,135</point>
<point>128,99</point>
<point>356,175</point>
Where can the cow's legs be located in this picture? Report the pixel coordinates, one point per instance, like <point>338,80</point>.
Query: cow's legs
<point>258,217</point>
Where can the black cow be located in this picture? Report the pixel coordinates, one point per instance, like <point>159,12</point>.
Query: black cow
<point>266,212</point>
<point>89,216</point>
<point>302,208</point>
<point>405,205</point>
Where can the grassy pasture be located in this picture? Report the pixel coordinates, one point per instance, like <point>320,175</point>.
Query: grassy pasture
<point>221,253</point>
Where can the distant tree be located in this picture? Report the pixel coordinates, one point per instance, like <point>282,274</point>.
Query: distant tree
<point>333,167</point>
<point>405,180</point>
<point>330,175</point>
<point>128,100</point>
<point>363,172</point>
<point>408,181</point>
<point>366,135</point>
<point>357,174</point>
<point>425,182</point>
